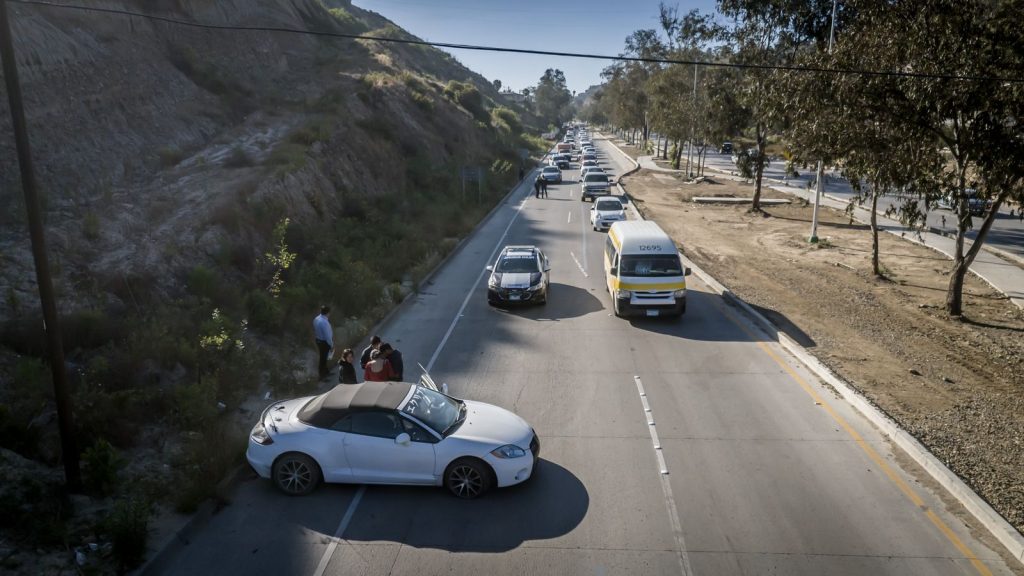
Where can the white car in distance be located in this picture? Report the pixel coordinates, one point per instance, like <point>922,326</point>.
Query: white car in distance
<point>391,433</point>
<point>606,211</point>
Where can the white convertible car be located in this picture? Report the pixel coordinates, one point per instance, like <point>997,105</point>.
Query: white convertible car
<point>391,433</point>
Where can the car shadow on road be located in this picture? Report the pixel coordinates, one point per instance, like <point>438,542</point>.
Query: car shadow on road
<point>564,301</point>
<point>549,505</point>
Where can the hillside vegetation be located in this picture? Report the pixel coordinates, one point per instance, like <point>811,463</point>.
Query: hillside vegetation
<point>205,191</point>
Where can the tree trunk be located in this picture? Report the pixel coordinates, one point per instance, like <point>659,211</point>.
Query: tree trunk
<point>875,268</point>
<point>664,148</point>
<point>759,170</point>
<point>677,157</point>
<point>962,262</point>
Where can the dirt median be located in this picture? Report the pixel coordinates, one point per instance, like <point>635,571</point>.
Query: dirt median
<point>954,384</point>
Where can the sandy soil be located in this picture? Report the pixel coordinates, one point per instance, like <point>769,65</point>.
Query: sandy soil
<point>957,385</point>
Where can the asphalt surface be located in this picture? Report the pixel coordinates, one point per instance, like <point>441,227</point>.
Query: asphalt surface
<point>761,477</point>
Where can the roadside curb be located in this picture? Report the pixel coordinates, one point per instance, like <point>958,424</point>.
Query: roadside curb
<point>183,536</point>
<point>1005,533</point>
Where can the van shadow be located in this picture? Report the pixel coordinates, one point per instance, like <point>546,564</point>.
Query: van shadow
<point>703,322</point>
<point>564,301</point>
<point>550,504</point>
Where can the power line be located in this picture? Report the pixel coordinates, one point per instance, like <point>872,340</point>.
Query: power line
<point>480,48</point>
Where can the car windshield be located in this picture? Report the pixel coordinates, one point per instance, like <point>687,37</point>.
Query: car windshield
<point>591,177</point>
<point>551,169</point>
<point>609,205</point>
<point>517,263</point>
<point>651,266</point>
<point>440,412</point>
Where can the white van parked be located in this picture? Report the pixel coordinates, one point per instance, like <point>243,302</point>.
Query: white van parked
<point>643,272</point>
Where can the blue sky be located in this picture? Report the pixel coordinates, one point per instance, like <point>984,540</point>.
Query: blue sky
<point>593,27</point>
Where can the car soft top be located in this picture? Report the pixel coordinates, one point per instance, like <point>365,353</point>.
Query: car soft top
<point>329,407</point>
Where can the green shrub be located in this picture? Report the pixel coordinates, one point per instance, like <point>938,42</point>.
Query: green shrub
<point>310,134</point>
<point>467,96</point>
<point>203,282</point>
<point>423,102</point>
<point>102,467</point>
<point>264,311</point>
<point>289,157</point>
<point>91,226</point>
<point>347,20</point>
<point>208,459</point>
<point>127,527</point>
<point>170,156</point>
<point>237,158</point>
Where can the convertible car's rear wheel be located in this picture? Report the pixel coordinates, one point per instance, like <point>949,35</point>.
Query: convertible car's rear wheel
<point>468,478</point>
<point>296,474</point>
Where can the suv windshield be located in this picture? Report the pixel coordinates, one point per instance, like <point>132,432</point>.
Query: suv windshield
<point>434,409</point>
<point>596,177</point>
<point>552,169</point>
<point>515,263</point>
<point>651,266</point>
<point>605,205</point>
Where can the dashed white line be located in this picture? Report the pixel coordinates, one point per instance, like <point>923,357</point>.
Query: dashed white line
<point>666,486</point>
<point>326,558</point>
<point>578,265</point>
<point>569,220</point>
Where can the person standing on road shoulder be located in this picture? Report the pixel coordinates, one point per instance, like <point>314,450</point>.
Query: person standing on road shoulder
<point>394,358</point>
<point>378,369</point>
<point>346,371</point>
<point>324,336</point>
<point>543,188</point>
<point>536,187</point>
<point>364,358</point>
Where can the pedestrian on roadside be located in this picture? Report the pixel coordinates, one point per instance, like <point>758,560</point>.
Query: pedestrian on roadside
<point>1020,214</point>
<point>378,369</point>
<point>324,336</point>
<point>1011,212</point>
<point>394,358</point>
<point>536,187</point>
<point>364,358</point>
<point>943,221</point>
<point>543,188</point>
<point>346,370</point>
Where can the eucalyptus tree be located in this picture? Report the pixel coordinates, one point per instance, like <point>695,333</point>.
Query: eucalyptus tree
<point>951,81</point>
<point>765,33</point>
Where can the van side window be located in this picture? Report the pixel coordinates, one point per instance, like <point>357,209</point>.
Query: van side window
<point>609,251</point>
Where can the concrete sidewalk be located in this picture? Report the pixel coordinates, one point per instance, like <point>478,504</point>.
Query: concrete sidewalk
<point>1001,274</point>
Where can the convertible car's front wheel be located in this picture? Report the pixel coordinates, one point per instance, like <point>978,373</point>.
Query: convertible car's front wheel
<point>296,474</point>
<point>468,478</point>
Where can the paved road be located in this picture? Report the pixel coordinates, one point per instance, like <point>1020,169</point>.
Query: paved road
<point>761,478</point>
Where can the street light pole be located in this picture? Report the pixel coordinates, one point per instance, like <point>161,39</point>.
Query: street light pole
<point>821,164</point>
<point>51,323</point>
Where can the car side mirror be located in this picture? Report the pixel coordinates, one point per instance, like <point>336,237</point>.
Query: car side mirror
<point>614,271</point>
<point>687,271</point>
<point>490,268</point>
<point>403,439</point>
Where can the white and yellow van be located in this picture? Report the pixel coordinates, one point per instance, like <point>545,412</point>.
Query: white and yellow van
<point>643,272</point>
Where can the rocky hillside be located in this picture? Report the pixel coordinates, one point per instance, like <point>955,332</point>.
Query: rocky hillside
<point>158,145</point>
<point>205,191</point>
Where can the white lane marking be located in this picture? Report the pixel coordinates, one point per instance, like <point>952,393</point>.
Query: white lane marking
<point>342,526</point>
<point>469,294</point>
<point>583,230</point>
<point>666,486</point>
<point>578,265</point>
<point>569,221</point>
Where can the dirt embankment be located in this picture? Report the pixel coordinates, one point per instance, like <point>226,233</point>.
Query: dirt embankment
<point>957,385</point>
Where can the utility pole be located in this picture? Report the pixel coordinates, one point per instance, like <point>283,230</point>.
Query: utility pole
<point>51,323</point>
<point>818,190</point>
<point>693,120</point>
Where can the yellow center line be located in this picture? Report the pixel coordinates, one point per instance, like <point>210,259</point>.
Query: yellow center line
<point>872,454</point>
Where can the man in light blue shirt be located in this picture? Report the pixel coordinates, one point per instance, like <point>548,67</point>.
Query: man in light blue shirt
<point>324,339</point>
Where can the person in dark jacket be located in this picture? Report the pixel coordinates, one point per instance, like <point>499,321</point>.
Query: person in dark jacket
<point>364,358</point>
<point>395,358</point>
<point>346,371</point>
<point>536,187</point>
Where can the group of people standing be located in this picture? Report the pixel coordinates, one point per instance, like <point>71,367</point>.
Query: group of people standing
<point>540,187</point>
<point>380,361</point>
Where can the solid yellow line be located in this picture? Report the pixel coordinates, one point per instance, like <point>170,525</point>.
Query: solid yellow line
<point>875,457</point>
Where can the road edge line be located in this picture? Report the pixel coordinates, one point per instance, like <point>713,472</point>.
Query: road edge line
<point>982,511</point>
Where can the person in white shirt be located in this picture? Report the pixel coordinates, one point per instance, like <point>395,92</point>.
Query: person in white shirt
<point>324,336</point>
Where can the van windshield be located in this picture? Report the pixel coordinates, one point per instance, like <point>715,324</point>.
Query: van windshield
<point>651,266</point>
